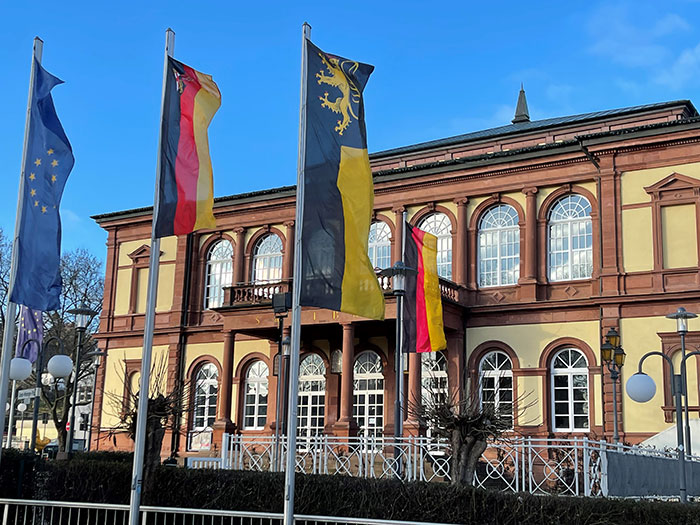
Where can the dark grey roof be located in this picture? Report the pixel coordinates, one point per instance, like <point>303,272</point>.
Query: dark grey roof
<point>534,125</point>
<point>522,114</point>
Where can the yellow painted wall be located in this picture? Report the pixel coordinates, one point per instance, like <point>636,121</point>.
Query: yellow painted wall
<point>528,342</point>
<point>637,243</point>
<point>123,289</point>
<point>634,182</point>
<point>141,290</point>
<point>639,336</point>
<point>678,226</point>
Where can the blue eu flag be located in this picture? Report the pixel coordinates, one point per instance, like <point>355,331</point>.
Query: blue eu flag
<point>49,160</point>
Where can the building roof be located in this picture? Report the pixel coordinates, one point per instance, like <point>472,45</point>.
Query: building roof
<point>510,129</point>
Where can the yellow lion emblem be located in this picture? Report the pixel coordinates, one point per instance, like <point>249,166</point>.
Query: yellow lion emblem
<point>349,93</point>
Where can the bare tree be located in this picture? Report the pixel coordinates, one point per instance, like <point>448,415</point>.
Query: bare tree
<point>5,256</point>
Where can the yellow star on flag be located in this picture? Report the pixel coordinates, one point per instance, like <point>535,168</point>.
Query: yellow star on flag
<point>32,192</point>
<point>43,209</point>
<point>50,152</point>
<point>54,163</point>
<point>37,162</point>
<point>36,203</point>
<point>53,178</point>
<point>32,176</point>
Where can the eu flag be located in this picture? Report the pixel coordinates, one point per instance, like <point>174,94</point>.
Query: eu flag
<point>31,326</point>
<point>49,160</point>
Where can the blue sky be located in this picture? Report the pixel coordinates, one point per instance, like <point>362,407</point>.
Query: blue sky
<point>442,69</point>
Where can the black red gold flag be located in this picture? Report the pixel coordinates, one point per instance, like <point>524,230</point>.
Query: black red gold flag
<point>338,191</point>
<point>186,185</point>
<point>423,329</point>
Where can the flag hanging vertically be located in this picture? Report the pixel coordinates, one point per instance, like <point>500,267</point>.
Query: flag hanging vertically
<point>338,191</point>
<point>31,326</point>
<point>49,160</point>
<point>186,183</point>
<point>423,329</point>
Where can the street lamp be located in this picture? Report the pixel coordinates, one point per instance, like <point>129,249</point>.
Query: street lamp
<point>83,316</point>
<point>641,388</point>
<point>681,316</point>
<point>614,357</point>
<point>97,355</point>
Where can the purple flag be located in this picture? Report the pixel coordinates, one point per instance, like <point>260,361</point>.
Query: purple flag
<point>31,326</point>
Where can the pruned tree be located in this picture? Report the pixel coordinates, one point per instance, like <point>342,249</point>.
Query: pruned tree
<point>5,256</point>
<point>164,409</point>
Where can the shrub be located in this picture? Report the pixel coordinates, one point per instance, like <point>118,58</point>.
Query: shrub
<point>16,466</point>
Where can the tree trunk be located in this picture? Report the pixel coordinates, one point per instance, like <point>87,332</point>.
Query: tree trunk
<point>475,453</point>
<point>465,457</point>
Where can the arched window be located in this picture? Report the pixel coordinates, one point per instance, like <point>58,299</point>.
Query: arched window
<point>267,260</point>
<point>368,394</point>
<point>379,246</point>
<point>570,391</point>
<point>570,239</point>
<point>439,225</point>
<point>255,405</point>
<point>433,380</point>
<point>499,246</point>
<point>496,383</point>
<point>312,396</point>
<point>219,273</point>
<point>206,389</point>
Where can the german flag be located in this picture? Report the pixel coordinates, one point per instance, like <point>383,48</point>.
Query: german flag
<point>338,192</point>
<point>423,329</point>
<point>186,184</point>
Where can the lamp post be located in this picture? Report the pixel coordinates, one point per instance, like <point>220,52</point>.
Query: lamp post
<point>97,355</point>
<point>641,388</point>
<point>614,358</point>
<point>83,316</point>
<point>398,274</point>
<point>681,316</point>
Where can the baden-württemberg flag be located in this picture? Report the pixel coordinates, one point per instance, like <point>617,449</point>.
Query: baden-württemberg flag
<point>423,329</point>
<point>338,192</point>
<point>49,160</point>
<point>186,183</point>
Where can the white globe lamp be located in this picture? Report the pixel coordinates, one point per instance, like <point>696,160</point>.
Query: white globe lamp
<point>20,368</point>
<point>60,365</point>
<point>641,388</point>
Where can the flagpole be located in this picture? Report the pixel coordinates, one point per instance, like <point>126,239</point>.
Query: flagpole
<point>296,294</point>
<point>11,420</point>
<point>140,438</point>
<point>9,328</point>
<point>398,359</point>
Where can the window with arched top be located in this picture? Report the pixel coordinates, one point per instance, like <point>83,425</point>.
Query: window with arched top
<point>255,401</point>
<point>496,383</point>
<point>219,273</point>
<point>569,391</point>
<point>267,260</point>
<point>499,246</point>
<point>439,225</point>
<point>433,378</point>
<point>570,239</point>
<point>206,390</point>
<point>312,396</point>
<point>379,245</point>
<point>368,394</point>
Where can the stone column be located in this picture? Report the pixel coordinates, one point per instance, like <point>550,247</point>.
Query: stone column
<point>412,427</point>
<point>288,265</point>
<point>460,248</point>
<point>455,363</point>
<point>528,280</point>
<point>346,425</point>
<point>398,233</point>
<point>239,256</point>
<point>223,422</point>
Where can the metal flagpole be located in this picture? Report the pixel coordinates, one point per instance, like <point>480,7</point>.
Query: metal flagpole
<point>11,313</point>
<point>398,360</point>
<point>140,438</point>
<point>293,385</point>
<point>11,421</point>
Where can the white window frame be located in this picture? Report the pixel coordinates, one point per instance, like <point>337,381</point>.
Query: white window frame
<point>569,372</point>
<point>267,260</point>
<point>256,382</point>
<point>439,224</point>
<point>568,216</point>
<point>379,245</point>
<point>312,396</point>
<point>499,244</point>
<point>501,367</point>
<point>207,376</point>
<point>434,381</point>
<point>367,368</point>
<point>218,273</point>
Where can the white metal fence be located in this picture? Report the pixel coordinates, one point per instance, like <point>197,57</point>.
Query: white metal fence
<point>576,467</point>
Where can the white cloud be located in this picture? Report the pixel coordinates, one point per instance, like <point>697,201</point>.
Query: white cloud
<point>684,70</point>
<point>69,217</point>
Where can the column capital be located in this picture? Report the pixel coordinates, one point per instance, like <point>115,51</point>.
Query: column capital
<point>288,224</point>
<point>461,201</point>
<point>348,325</point>
<point>531,190</point>
<point>398,209</point>
<point>239,229</point>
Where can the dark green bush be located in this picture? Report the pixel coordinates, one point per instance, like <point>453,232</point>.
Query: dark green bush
<point>16,465</point>
<point>107,456</point>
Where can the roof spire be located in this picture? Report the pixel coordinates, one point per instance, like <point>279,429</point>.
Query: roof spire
<point>521,112</point>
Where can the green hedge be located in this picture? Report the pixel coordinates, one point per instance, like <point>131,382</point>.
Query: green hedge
<point>16,465</point>
<point>106,479</point>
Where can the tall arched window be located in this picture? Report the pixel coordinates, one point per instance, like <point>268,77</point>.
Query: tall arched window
<point>219,273</point>
<point>255,403</point>
<point>570,391</point>
<point>439,225</point>
<point>312,396</point>
<point>379,246</point>
<point>496,383</point>
<point>570,239</point>
<point>499,246</point>
<point>434,378</point>
<point>206,389</point>
<point>267,260</point>
<point>368,394</point>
